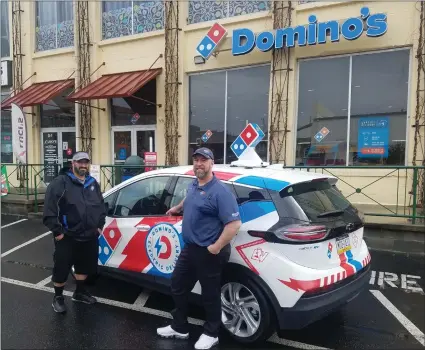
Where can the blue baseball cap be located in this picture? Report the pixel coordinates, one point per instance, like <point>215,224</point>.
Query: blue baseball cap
<point>205,152</point>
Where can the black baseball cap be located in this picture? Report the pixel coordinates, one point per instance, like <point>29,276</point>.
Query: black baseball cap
<point>205,152</point>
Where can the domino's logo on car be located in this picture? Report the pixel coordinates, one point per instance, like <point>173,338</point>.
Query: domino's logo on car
<point>251,136</point>
<point>210,42</point>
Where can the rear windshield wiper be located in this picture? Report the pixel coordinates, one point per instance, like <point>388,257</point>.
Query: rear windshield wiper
<point>331,213</point>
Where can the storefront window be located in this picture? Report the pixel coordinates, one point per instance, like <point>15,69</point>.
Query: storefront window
<point>54,25</point>
<point>246,92</point>
<point>6,137</point>
<point>122,18</point>
<point>371,120</point>
<point>5,34</point>
<point>58,112</point>
<point>322,105</point>
<point>379,108</point>
<point>206,10</point>
<point>207,108</point>
<point>138,110</point>
<point>247,102</point>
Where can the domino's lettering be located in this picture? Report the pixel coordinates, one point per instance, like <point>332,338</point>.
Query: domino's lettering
<point>244,40</point>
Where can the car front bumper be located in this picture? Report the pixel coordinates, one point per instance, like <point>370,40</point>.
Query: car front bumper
<point>313,308</point>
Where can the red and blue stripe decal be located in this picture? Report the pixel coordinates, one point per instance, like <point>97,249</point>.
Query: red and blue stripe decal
<point>349,265</point>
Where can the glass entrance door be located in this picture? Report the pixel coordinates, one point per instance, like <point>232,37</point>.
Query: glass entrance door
<point>134,141</point>
<point>122,146</point>
<point>68,147</point>
<point>57,150</point>
<point>145,142</point>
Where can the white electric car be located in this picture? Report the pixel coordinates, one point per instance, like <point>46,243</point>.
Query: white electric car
<point>298,256</point>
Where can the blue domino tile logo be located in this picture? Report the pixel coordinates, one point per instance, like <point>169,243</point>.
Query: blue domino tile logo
<point>206,47</point>
<point>238,146</point>
<point>105,251</point>
<point>319,137</point>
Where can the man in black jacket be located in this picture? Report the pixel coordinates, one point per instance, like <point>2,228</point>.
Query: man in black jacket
<point>74,211</point>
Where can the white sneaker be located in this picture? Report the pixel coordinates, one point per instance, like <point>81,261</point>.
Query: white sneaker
<point>206,342</point>
<point>168,332</point>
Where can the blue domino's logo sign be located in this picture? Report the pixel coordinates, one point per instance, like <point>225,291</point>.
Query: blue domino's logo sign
<point>245,40</point>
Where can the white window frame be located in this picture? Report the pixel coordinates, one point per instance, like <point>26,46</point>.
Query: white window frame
<point>228,11</point>
<point>132,19</point>
<point>133,134</point>
<point>56,24</point>
<point>351,55</point>
<point>59,131</point>
<point>9,9</point>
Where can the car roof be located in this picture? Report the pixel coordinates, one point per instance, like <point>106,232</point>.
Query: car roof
<point>270,177</point>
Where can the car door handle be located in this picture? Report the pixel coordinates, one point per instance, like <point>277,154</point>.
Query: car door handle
<point>143,227</point>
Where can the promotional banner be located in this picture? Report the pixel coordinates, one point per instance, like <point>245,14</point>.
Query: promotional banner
<point>151,161</point>
<point>95,172</point>
<point>19,134</point>
<point>373,137</point>
<point>5,188</point>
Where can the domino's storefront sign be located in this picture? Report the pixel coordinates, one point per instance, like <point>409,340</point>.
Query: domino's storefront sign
<point>245,40</point>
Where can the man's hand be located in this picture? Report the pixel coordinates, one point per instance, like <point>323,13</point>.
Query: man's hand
<point>214,249</point>
<point>58,238</point>
<point>173,211</point>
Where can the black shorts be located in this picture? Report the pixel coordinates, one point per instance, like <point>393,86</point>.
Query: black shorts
<point>68,252</point>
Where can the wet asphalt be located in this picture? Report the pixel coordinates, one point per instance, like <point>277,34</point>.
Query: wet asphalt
<point>28,320</point>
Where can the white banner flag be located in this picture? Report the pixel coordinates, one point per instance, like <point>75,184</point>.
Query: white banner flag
<point>19,134</point>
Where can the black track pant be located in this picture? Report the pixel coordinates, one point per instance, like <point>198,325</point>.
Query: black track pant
<point>197,263</point>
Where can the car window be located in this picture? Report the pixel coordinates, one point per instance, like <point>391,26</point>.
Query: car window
<point>313,198</point>
<point>109,203</point>
<point>180,190</point>
<point>144,197</point>
<point>246,194</point>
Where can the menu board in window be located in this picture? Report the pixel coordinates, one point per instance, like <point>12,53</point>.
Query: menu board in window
<point>50,151</point>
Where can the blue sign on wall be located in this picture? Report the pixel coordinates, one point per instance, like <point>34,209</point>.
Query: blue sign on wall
<point>373,137</point>
<point>244,40</point>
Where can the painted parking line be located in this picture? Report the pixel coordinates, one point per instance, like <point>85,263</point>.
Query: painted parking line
<point>415,331</point>
<point>142,299</point>
<point>45,281</point>
<point>25,244</point>
<point>139,308</point>
<point>13,223</point>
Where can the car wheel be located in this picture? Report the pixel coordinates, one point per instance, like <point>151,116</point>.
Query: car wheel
<point>246,314</point>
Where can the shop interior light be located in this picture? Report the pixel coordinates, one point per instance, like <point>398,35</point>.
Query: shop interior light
<point>199,60</point>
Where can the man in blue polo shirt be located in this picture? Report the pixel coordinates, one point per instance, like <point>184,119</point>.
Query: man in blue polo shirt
<point>211,220</point>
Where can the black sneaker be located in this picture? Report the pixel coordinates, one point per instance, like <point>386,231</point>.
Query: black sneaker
<point>59,304</point>
<point>83,297</point>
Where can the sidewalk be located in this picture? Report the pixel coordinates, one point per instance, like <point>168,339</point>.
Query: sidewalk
<point>392,234</point>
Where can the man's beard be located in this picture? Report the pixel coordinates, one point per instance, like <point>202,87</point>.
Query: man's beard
<point>201,174</point>
<point>80,171</point>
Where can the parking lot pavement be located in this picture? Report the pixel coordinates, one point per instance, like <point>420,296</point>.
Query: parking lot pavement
<point>388,316</point>
<point>7,220</point>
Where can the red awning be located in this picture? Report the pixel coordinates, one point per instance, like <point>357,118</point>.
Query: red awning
<point>115,85</point>
<point>38,93</point>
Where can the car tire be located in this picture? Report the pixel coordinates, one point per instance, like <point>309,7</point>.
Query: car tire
<point>264,317</point>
